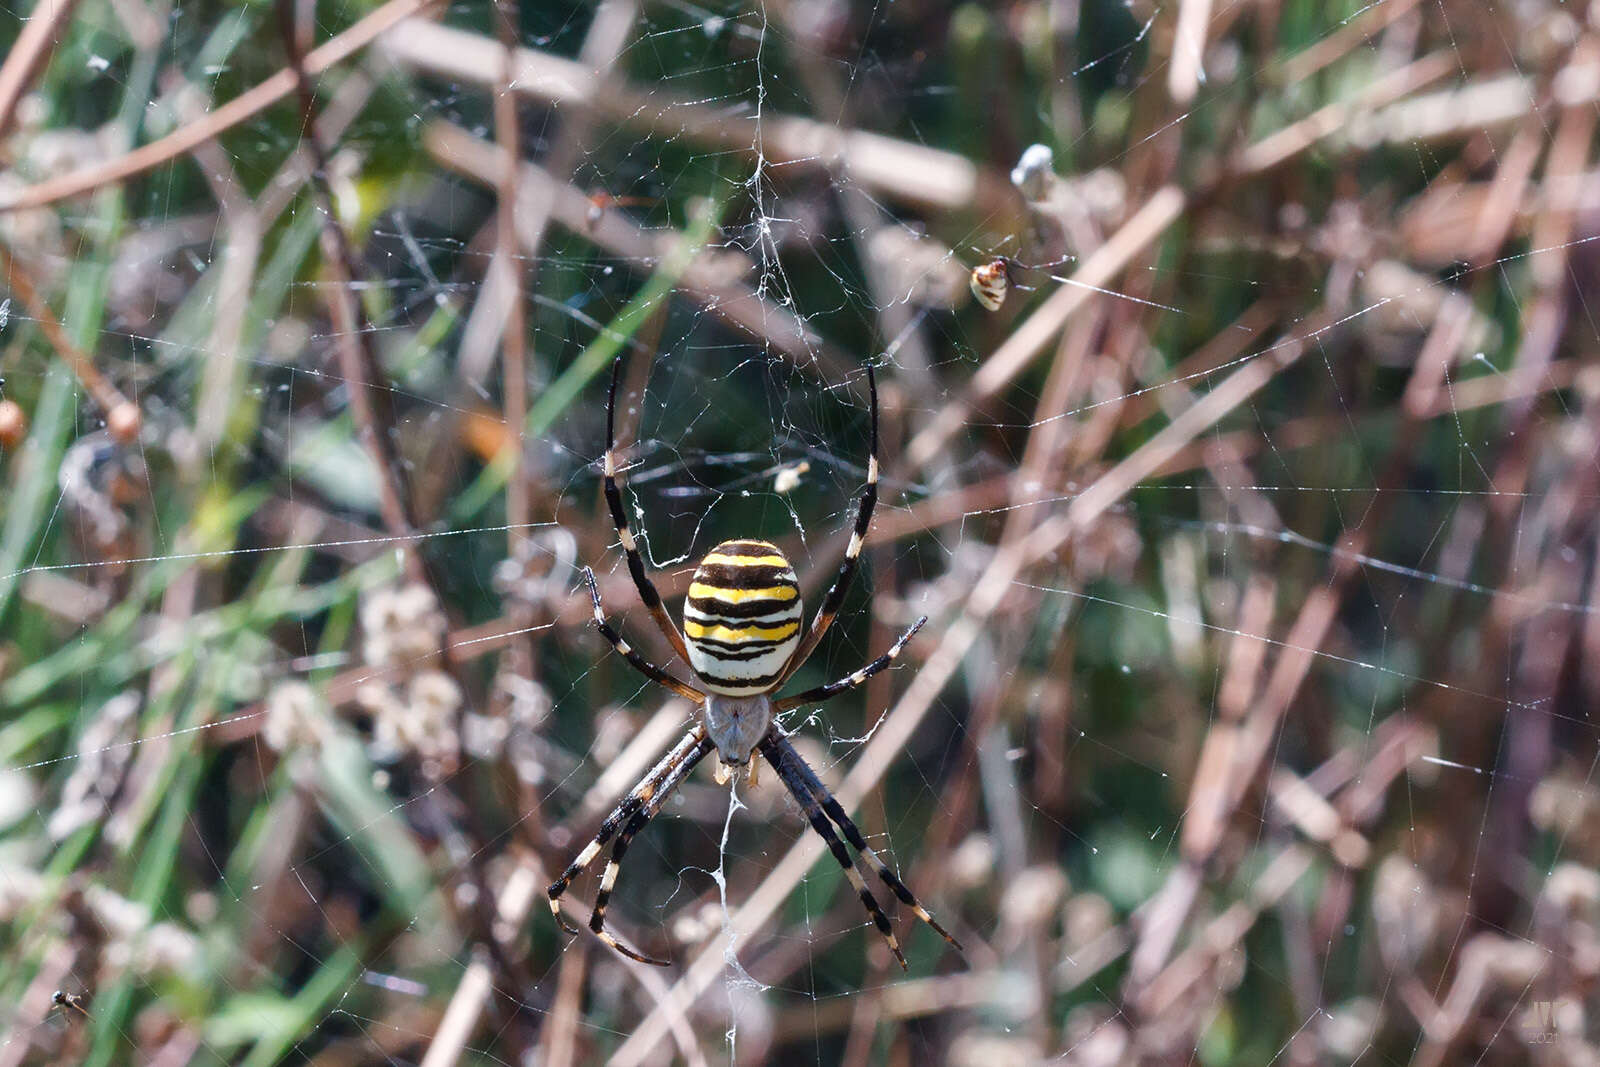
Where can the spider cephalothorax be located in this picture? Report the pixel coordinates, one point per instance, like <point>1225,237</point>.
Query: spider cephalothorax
<point>743,637</point>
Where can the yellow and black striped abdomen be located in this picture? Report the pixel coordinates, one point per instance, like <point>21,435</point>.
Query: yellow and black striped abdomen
<point>742,617</point>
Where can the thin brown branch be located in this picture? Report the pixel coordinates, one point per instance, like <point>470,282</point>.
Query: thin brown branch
<point>901,170</point>
<point>123,419</point>
<point>28,54</point>
<point>370,403</point>
<point>1346,39</point>
<point>248,104</point>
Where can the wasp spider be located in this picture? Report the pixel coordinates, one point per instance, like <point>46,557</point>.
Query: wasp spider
<point>742,639</point>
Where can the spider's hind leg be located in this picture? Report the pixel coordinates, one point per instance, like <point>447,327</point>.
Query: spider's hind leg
<point>788,762</point>
<point>627,652</point>
<point>784,759</point>
<point>648,791</point>
<point>646,811</point>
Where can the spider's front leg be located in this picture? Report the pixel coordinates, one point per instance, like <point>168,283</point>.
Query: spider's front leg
<point>627,652</point>
<point>619,519</point>
<point>850,681</point>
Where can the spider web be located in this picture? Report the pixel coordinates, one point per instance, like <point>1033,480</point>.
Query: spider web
<point>1255,529</point>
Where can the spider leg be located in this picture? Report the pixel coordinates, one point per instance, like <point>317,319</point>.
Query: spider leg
<point>785,760</point>
<point>849,682</point>
<point>782,750</point>
<point>639,663</point>
<point>646,811</point>
<point>648,788</point>
<point>852,553</point>
<point>641,580</point>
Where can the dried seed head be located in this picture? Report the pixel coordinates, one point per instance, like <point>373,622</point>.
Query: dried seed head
<point>1085,917</point>
<point>402,627</point>
<point>422,723</point>
<point>1572,892</point>
<point>435,695</point>
<point>1094,1037</point>
<point>104,749</point>
<point>484,736</point>
<point>971,865</point>
<point>1347,1029</point>
<point>539,567</point>
<point>295,718</point>
<point>983,1048</point>
<point>694,926</point>
<point>1406,909</point>
<point>1562,805</point>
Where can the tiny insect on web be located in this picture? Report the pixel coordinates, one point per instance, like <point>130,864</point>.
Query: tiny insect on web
<point>742,640</point>
<point>62,999</point>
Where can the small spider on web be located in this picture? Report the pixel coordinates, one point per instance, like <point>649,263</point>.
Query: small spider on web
<point>742,639</point>
<point>993,279</point>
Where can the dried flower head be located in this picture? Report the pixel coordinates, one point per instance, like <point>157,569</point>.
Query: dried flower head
<point>1568,807</point>
<point>1406,909</point>
<point>402,627</point>
<point>971,864</point>
<point>422,723</point>
<point>1094,1038</point>
<point>1033,896</point>
<point>985,1048</point>
<point>295,718</point>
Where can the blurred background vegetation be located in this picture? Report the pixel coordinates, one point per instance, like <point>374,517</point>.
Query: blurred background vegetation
<point>1256,527</point>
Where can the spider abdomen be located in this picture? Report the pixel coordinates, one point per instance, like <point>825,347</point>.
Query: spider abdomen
<point>742,617</point>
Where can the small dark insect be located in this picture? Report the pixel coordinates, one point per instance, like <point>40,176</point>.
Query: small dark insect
<point>743,637</point>
<point>62,999</point>
<point>990,282</point>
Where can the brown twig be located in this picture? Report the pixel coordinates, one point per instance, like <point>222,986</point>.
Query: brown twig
<point>28,54</point>
<point>123,419</point>
<point>370,403</point>
<point>1335,46</point>
<point>714,279</point>
<point>891,167</point>
<point>242,107</point>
